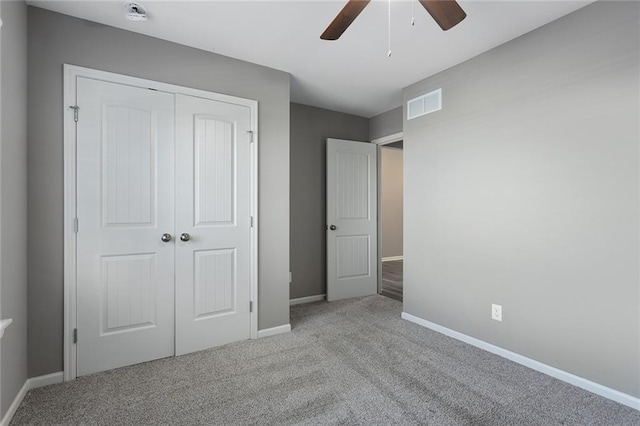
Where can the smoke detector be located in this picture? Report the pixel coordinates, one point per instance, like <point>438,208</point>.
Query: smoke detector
<point>136,11</point>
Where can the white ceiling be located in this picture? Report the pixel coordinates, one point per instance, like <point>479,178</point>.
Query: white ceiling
<point>353,74</point>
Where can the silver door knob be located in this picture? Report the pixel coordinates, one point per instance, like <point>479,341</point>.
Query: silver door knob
<point>166,238</point>
<point>333,227</point>
<point>185,237</point>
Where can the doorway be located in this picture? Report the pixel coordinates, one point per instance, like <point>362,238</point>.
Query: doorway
<point>160,195</point>
<point>390,213</point>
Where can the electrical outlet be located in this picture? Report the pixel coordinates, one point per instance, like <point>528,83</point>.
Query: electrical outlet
<point>496,312</point>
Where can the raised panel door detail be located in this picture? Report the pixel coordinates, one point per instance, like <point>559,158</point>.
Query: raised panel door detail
<point>215,282</point>
<point>129,292</point>
<point>352,194</point>
<point>128,158</point>
<point>352,256</point>
<point>215,171</point>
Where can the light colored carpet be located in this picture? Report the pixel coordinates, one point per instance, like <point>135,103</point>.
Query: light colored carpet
<point>351,362</point>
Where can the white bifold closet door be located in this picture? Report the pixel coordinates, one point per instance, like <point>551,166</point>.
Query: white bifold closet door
<point>213,207</point>
<point>163,208</point>
<point>125,190</point>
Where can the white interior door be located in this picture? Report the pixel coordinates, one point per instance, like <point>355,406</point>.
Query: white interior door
<point>125,199</point>
<point>213,223</point>
<point>351,219</point>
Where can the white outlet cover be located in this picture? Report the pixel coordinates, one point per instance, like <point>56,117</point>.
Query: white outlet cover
<point>496,312</point>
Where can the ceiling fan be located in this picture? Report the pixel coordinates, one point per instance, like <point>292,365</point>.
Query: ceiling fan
<point>446,13</point>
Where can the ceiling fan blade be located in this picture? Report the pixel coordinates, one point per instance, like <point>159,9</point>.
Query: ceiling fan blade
<point>346,16</point>
<point>447,13</point>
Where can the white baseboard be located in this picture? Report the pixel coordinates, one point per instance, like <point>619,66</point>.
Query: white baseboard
<point>15,404</point>
<point>307,299</point>
<point>578,381</point>
<point>32,383</point>
<point>274,330</point>
<point>392,258</point>
<point>46,380</point>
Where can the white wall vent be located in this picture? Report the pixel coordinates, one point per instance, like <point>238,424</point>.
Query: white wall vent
<point>424,104</point>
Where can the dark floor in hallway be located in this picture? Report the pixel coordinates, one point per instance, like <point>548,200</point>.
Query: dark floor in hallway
<point>392,279</point>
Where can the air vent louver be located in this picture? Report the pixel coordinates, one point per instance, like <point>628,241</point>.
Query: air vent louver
<point>424,104</point>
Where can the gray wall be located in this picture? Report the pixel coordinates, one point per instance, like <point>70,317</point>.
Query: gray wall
<point>523,191</point>
<point>391,201</point>
<point>310,128</point>
<point>13,199</point>
<point>385,124</point>
<point>56,39</point>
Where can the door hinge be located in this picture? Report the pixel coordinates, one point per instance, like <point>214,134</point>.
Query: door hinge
<point>250,135</point>
<point>251,221</point>
<point>250,306</point>
<point>75,109</point>
<point>75,335</point>
<point>75,225</point>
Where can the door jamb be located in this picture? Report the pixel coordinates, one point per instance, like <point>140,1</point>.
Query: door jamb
<point>396,137</point>
<point>71,73</point>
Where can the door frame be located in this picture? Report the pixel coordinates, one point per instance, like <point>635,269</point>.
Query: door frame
<point>396,137</point>
<point>70,75</point>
